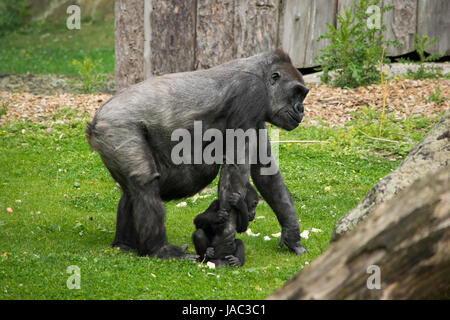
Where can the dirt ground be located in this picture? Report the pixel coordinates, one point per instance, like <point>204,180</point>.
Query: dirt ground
<point>328,104</point>
<point>48,84</point>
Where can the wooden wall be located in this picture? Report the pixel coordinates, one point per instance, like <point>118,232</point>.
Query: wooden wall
<point>154,37</point>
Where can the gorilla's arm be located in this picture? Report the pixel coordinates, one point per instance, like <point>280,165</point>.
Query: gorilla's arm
<point>238,204</point>
<point>240,251</point>
<point>206,225</point>
<point>238,259</point>
<point>201,243</point>
<point>208,218</point>
<point>274,191</point>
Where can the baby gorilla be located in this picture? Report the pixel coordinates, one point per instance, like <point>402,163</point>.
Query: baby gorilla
<point>214,237</point>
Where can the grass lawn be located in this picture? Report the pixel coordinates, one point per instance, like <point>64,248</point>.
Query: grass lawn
<point>58,202</point>
<point>50,48</point>
<point>64,202</point>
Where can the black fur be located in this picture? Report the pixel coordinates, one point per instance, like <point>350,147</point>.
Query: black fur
<point>214,237</point>
<point>132,134</point>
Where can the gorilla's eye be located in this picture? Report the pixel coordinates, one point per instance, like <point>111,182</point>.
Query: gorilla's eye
<point>275,76</point>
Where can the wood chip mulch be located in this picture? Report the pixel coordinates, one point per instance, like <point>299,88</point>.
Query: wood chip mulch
<point>331,105</point>
<point>404,98</point>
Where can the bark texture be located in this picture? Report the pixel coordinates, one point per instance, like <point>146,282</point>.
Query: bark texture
<point>404,243</point>
<point>431,154</point>
<point>129,42</point>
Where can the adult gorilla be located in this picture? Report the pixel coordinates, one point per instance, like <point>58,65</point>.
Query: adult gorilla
<point>132,134</point>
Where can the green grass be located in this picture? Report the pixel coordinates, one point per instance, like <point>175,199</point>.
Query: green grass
<point>47,47</point>
<point>64,200</point>
<point>64,204</point>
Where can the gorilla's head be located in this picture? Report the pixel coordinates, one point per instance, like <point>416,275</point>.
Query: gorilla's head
<point>287,91</point>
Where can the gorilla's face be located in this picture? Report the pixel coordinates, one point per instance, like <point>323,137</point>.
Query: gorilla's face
<point>287,91</point>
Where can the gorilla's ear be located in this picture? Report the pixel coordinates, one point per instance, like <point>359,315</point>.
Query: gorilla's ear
<point>274,77</point>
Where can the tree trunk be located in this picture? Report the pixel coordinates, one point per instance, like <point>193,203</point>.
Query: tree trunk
<point>171,35</point>
<point>405,243</point>
<point>129,42</point>
<point>431,154</point>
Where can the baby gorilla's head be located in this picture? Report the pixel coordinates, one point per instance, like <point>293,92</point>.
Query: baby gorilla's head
<point>251,199</point>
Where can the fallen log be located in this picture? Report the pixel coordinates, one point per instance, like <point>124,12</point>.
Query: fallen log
<point>400,251</point>
<point>431,154</point>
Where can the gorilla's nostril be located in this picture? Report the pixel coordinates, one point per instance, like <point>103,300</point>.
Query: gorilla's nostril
<point>299,107</point>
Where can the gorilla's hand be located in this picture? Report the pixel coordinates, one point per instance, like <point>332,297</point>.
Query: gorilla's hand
<point>293,245</point>
<point>210,252</point>
<point>223,215</point>
<point>169,251</point>
<point>233,261</point>
<point>234,198</point>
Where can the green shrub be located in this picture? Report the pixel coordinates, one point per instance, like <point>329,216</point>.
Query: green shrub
<point>436,96</point>
<point>355,49</point>
<point>424,72</point>
<point>13,14</point>
<point>91,80</point>
<point>421,44</point>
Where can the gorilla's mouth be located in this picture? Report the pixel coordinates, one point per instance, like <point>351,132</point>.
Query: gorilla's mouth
<point>289,116</point>
<point>295,116</point>
<point>296,112</point>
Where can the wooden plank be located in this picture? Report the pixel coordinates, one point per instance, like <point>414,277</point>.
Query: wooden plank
<point>344,4</point>
<point>172,39</point>
<point>255,26</point>
<point>214,33</point>
<point>401,25</point>
<point>434,21</point>
<point>129,42</point>
<point>301,23</point>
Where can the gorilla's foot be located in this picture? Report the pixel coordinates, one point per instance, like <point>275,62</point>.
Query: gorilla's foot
<point>291,242</point>
<point>122,247</point>
<point>169,251</point>
<point>298,249</point>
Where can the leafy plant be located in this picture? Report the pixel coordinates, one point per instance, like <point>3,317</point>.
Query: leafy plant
<point>13,14</point>
<point>355,49</point>
<point>3,110</point>
<point>424,72</point>
<point>421,44</point>
<point>383,85</point>
<point>87,69</point>
<point>436,96</point>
